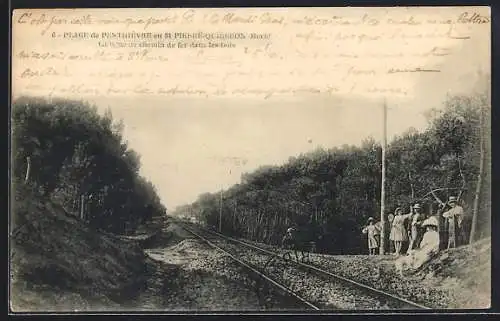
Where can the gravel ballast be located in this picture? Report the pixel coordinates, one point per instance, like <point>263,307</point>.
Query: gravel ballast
<point>325,292</point>
<point>458,278</point>
<point>189,275</point>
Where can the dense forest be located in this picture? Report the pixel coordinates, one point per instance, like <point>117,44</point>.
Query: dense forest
<point>331,193</point>
<point>67,152</point>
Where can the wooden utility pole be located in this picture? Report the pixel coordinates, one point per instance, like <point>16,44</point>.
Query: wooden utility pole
<point>472,236</point>
<point>82,204</point>
<point>28,167</point>
<point>234,215</point>
<point>382,189</point>
<point>220,212</point>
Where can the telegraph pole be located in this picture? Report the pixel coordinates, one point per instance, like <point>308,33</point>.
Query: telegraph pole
<point>382,189</point>
<point>220,212</point>
<point>28,167</point>
<point>234,214</point>
<point>82,204</point>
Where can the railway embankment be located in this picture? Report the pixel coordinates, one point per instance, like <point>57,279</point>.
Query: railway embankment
<point>61,264</point>
<point>455,279</point>
<point>458,278</point>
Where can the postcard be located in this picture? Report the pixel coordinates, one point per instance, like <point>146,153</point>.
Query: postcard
<point>217,160</point>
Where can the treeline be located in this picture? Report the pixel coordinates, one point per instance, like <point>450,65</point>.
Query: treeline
<point>331,193</point>
<point>66,151</point>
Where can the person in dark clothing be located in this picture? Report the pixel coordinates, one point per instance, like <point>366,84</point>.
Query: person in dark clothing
<point>455,217</point>
<point>293,240</point>
<point>416,230</point>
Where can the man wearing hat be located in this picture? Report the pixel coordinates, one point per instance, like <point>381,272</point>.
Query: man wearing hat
<point>289,237</point>
<point>416,231</point>
<point>454,216</point>
<point>289,240</point>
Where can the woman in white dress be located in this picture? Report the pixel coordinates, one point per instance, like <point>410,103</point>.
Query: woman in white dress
<point>428,248</point>
<point>398,231</point>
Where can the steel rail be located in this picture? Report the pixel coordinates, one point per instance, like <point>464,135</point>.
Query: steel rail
<point>246,265</point>
<point>321,271</point>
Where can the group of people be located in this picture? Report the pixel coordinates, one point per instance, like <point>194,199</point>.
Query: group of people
<point>402,232</point>
<point>414,237</point>
<point>428,247</point>
<point>419,232</point>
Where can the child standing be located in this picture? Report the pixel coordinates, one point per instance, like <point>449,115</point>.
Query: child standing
<point>373,236</point>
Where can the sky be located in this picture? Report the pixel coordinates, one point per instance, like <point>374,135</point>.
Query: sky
<point>187,144</point>
<point>191,145</point>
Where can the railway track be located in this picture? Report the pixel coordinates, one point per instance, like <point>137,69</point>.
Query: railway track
<point>277,285</point>
<point>312,287</point>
